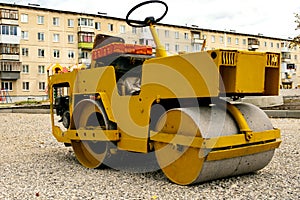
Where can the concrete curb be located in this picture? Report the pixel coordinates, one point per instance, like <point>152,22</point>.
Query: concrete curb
<point>41,109</point>
<point>25,110</point>
<point>283,113</point>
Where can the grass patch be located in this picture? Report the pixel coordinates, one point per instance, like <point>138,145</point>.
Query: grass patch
<point>30,102</point>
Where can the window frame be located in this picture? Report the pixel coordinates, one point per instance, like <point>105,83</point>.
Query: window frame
<point>25,52</point>
<point>25,69</point>
<point>26,86</point>
<point>98,26</point>
<point>122,28</point>
<point>41,53</point>
<point>24,18</point>
<point>56,53</point>
<point>41,69</point>
<point>7,83</point>
<point>42,86</point>
<point>110,27</point>
<point>55,21</point>
<point>70,39</point>
<point>41,36</point>
<point>40,20</point>
<point>71,23</point>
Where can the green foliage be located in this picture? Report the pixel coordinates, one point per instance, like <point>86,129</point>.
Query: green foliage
<point>296,40</point>
<point>30,102</point>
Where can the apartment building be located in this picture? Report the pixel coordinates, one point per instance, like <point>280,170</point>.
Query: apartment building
<point>33,38</point>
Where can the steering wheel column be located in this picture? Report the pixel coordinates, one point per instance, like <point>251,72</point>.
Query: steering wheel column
<point>160,49</point>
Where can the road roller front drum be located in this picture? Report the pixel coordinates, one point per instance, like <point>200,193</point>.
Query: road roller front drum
<point>189,165</point>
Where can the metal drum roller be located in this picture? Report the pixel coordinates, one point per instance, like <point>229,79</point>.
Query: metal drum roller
<point>187,165</point>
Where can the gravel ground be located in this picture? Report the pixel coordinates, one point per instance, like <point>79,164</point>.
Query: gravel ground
<point>34,166</point>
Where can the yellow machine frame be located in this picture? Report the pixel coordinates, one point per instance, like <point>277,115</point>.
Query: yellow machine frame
<point>131,113</point>
<point>219,73</point>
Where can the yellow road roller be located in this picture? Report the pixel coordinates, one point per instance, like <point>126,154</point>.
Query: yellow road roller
<point>137,107</point>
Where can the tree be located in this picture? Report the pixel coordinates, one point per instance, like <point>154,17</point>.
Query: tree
<point>296,40</point>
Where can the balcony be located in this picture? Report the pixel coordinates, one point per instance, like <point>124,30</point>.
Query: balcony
<point>9,21</point>
<point>9,17</point>
<point>10,70</point>
<point>253,44</point>
<point>85,61</point>
<point>9,57</point>
<point>197,41</point>
<point>85,45</point>
<point>286,57</point>
<point>87,29</point>
<point>13,75</point>
<point>9,37</point>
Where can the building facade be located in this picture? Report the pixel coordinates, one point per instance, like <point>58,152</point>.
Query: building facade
<point>33,38</point>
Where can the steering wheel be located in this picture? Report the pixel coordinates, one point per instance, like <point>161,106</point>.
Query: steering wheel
<point>148,20</point>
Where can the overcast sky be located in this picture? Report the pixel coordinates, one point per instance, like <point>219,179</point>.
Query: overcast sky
<point>273,18</point>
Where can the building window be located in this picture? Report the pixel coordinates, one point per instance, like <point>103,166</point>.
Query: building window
<point>86,22</point>
<point>84,55</point>
<point>71,38</point>
<point>70,23</point>
<point>25,86</point>
<point>41,53</point>
<point>213,39</point>
<point>186,48</point>
<point>186,36</point>
<point>55,21</point>
<point>6,85</point>
<point>98,26</point>
<point>8,30</point>
<point>177,48</point>
<point>25,69</point>
<point>176,35</point>
<point>24,18</point>
<point>42,86</point>
<point>110,27</point>
<point>86,37</point>
<point>144,30</point>
<point>56,53</point>
<point>167,33</point>
<point>296,57</point>
<point>41,36</point>
<point>196,36</point>
<point>244,41</point>
<point>277,45</point>
<point>271,44</point>
<point>134,30</point>
<point>266,44</point>
<point>41,69</point>
<point>167,47</point>
<point>24,35</point>
<point>221,39</point>
<point>197,47</point>
<point>122,29</point>
<point>13,30</point>
<point>237,41</point>
<point>25,51</point>
<point>71,54</point>
<point>229,40</point>
<point>5,30</point>
<point>40,20</point>
<point>55,37</point>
